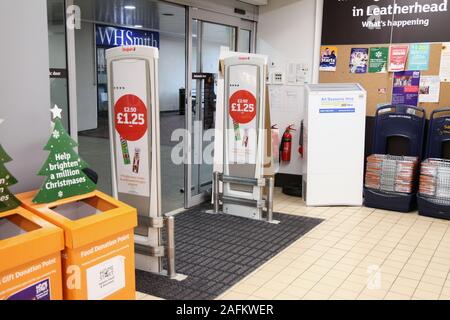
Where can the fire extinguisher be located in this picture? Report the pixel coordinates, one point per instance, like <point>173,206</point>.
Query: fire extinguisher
<point>286,144</point>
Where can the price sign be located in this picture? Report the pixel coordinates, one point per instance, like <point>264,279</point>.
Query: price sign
<point>130,117</point>
<point>242,106</point>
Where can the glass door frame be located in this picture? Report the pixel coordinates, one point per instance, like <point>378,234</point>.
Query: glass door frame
<point>216,18</point>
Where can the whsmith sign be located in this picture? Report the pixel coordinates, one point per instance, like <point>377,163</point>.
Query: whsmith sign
<point>372,22</point>
<point>108,36</point>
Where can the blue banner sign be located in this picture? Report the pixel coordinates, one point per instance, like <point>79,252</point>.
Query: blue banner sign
<point>108,36</point>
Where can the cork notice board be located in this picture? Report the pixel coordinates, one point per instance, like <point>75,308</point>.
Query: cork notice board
<point>374,82</point>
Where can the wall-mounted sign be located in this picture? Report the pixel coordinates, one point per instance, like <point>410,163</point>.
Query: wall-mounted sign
<point>57,73</point>
<point>108,36</point>
<point>357,22</point>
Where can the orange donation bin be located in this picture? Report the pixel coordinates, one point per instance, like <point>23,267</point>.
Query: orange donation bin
<point>98,260</point>
<point>30,257</point>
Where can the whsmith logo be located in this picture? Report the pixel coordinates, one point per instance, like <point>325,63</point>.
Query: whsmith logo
<point>113,37</point>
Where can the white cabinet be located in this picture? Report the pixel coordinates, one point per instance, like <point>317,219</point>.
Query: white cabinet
<point>334,137</point>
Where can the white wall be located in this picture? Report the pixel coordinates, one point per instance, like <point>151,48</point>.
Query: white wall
<point>286,33</point>
<point>24,89</point>
<point>86,77</point>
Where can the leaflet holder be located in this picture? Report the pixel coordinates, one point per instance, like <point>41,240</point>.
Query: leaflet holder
<point>135,150</point>
<point>396,121</point>
<point>437,147</point>
<point>242,167</point>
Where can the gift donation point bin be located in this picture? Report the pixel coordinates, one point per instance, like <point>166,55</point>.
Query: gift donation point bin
<point>30,257</point>
<point>98,260</point>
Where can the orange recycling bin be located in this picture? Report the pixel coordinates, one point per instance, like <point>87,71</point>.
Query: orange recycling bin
<point>30,257</point>
<point>98,259</point>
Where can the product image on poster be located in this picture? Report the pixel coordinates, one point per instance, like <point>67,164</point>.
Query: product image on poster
<point>419,56</point>
<point>358,60</point>
<point>397,57</point>
<point>405,88</point>
<point>63,168</point>
<point>328,58</point>
<point>378,59</point>
<point>37,291</point>
<point>131,127</point>
<point>7,200</point>
<point>242,111</point>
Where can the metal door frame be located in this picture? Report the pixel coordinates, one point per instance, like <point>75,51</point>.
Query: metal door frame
<point>216,18</point>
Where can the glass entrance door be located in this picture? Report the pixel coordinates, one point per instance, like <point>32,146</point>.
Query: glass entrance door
<point>209,33</point>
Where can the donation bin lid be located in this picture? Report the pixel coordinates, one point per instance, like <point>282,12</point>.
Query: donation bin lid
<point>86,218</point>
<point>25,237</point>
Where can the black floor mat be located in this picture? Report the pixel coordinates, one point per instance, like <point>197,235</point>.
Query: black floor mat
<point>217,251</point>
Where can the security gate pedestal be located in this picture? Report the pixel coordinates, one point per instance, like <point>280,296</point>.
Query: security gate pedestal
<point>242,114</point>
<point>135,155</point>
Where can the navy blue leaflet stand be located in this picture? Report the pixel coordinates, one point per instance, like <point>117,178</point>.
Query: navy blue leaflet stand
<point>438,135</point>
<point>396,121</point>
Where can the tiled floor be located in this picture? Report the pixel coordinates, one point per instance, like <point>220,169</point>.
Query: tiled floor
<point>356,253</point>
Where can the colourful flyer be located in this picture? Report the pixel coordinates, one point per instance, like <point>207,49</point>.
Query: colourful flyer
<point>378,59</point>
<point>397,57</point>
<point>419,56</point>
<point>328,58</point>
<point>405,88</point>
<point>358,60</point>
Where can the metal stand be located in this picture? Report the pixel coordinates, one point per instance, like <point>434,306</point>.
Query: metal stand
<point>267,204</point>
<point>168,252</point>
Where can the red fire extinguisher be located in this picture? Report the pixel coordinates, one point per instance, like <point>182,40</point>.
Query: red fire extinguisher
<point>286,144</point>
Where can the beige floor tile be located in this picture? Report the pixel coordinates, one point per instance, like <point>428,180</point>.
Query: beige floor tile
<point>295,291</point>
<point>140,295</point>
<point>313,295</point>
<point>148,297</point>
<point>344,294</point>
<point>352,286</point>
<point>425,295</point>
<point>284,296</point>
<point>245,288</point>
<point>396,296</point>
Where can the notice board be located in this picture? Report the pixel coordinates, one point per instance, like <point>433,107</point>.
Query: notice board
<point>379,85</point>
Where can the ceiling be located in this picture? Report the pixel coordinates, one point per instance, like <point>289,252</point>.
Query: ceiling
<point>150,14</point>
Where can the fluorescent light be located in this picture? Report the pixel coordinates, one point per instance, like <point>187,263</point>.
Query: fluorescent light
<point>137,26</point>
<point>129,7</point>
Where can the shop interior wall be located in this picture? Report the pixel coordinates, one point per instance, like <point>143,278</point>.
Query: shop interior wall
<point>286,31</point>
<point>372,82</point>
<point>24,89</point>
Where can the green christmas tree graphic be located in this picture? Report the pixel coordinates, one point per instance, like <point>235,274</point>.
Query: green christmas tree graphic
<point>63,168</point>
<point>7,200</point>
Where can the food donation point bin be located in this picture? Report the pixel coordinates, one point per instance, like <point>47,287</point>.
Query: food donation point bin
<point>30,257</point>
<point>98,259</point>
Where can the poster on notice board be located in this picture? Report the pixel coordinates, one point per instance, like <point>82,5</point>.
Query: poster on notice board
<point>358,60</point>
<point>328,58</point>
<point>378,59</point>
<point>405,88</point>
<point>419,56</point>
<point>430,87</point>
<point>397,57</point>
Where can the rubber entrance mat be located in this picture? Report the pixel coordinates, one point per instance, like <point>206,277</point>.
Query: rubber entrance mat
<point>217,251</point>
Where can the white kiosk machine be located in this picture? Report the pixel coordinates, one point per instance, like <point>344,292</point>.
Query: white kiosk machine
<point>241,116</point>
<point>134,135</point>
<point>334,129</point>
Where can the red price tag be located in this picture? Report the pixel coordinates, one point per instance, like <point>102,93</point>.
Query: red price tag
<point>130,117</point>
<point>242,106</point>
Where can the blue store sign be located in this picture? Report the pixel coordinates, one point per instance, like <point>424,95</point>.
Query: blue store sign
<point>108,36</point>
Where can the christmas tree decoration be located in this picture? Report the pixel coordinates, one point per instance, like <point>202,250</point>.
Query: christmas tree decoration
<point>63,167</point>
<point>7,200</point>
